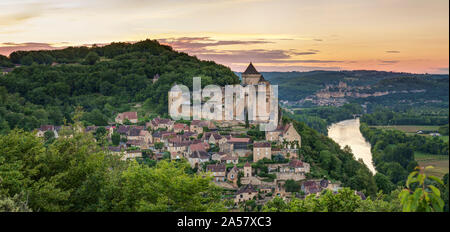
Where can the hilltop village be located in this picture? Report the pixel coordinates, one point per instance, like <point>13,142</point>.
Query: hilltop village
<point>250,165</point>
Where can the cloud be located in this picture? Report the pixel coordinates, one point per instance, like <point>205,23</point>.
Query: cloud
<point>205,48</point>
<point>198,44</point>
<point>9,47</point>
<point>392,51</point>
<point>444,70</point>
<point>21,14</point>
<point>388,62</point>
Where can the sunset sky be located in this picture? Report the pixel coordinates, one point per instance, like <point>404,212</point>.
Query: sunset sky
<point>283,35</point>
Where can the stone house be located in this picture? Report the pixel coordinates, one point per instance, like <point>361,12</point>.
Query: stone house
<point>261,150</point>
<point>230,159</point>
<point>197,126</point>
<point>122,117</point>
<point>160,123</point>
<point>226,147</point>
<point>44,128</point>
<point>245,193</point>
<point>232,175</point>
<point>197,158</point>
<point>179,127</point>
<point>247,170</point>
<point>132,154</point>
<point>217,171</point>
<point>214,138</point>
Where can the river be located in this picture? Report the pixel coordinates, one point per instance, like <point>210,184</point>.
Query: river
<point>347,133</point>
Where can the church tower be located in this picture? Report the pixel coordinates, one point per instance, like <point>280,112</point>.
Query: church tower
<point>251,76</point>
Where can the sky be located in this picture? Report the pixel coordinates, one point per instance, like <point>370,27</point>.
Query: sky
<point>283,35</point>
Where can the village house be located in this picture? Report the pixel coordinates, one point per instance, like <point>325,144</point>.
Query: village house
<point>245,193</point>
<point>217,156</point>
<point>291,135</point>
<point>217,171</point>
<point>226,147</point>
<point>160,123</point>
<point>232,175</point>
<point>134,133</point>
<point>132,154</point>
<point>197,126</point>
<point>189,135</point>
<point>177,149</point>
<point>197,158</point>
<point>310,187</point>
<point>146,136</point>
<point>180,127</point>
<point>198,147</point>
<point>296,166</point>
<point>214,138</point>
<point>294,170</point>
<point>247,170</point>
<point>130,116</point>
<point>156,137</point>
<point>44,128</point>
<point>230,159</point>
<point>240,145</point>
<point>115,150</point>
<point>261,150</point>
<point>285,133</point>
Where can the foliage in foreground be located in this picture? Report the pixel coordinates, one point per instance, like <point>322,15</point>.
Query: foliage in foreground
<point>75,174</point>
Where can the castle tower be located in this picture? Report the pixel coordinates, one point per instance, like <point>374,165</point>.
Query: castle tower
<point>251,76</point>
<point>247,170</point>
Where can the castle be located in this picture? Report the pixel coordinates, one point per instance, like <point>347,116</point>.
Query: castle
<point>249,77</point>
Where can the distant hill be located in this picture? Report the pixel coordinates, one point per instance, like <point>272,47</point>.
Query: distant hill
<point>46,86</point>
<point>361,86</point>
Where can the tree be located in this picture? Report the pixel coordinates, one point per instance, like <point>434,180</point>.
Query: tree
<point>292,186</point>
<point>91,58</point>
<point>115,138</point>
<point>383,183</point>
<point>420,196</point>
<point>49,136</point>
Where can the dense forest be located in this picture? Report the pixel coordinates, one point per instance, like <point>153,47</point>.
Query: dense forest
<point>393,153</point>
<point>383,116</point>
<point>48,85</point>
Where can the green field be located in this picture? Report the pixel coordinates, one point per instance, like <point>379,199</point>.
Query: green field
<point>439,163</point>
<point>409,128</point>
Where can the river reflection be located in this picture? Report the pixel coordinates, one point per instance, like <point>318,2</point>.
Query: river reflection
<point>347,133</point>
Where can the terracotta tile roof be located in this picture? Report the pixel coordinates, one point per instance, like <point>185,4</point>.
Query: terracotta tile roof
<point>238,140</point>
<point>199,155</point>
<point>261,144</point>
<point>197,147</point>
<point>134,132</point>
<point>199,123</point>
<point>216,168</point>
<point>163,121</point>
<point>128,115</point>
<point>180,126</point>
<point>296,163</point>
<point>47,127</point>
<point>115,149</point>
<point>247,189</point>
